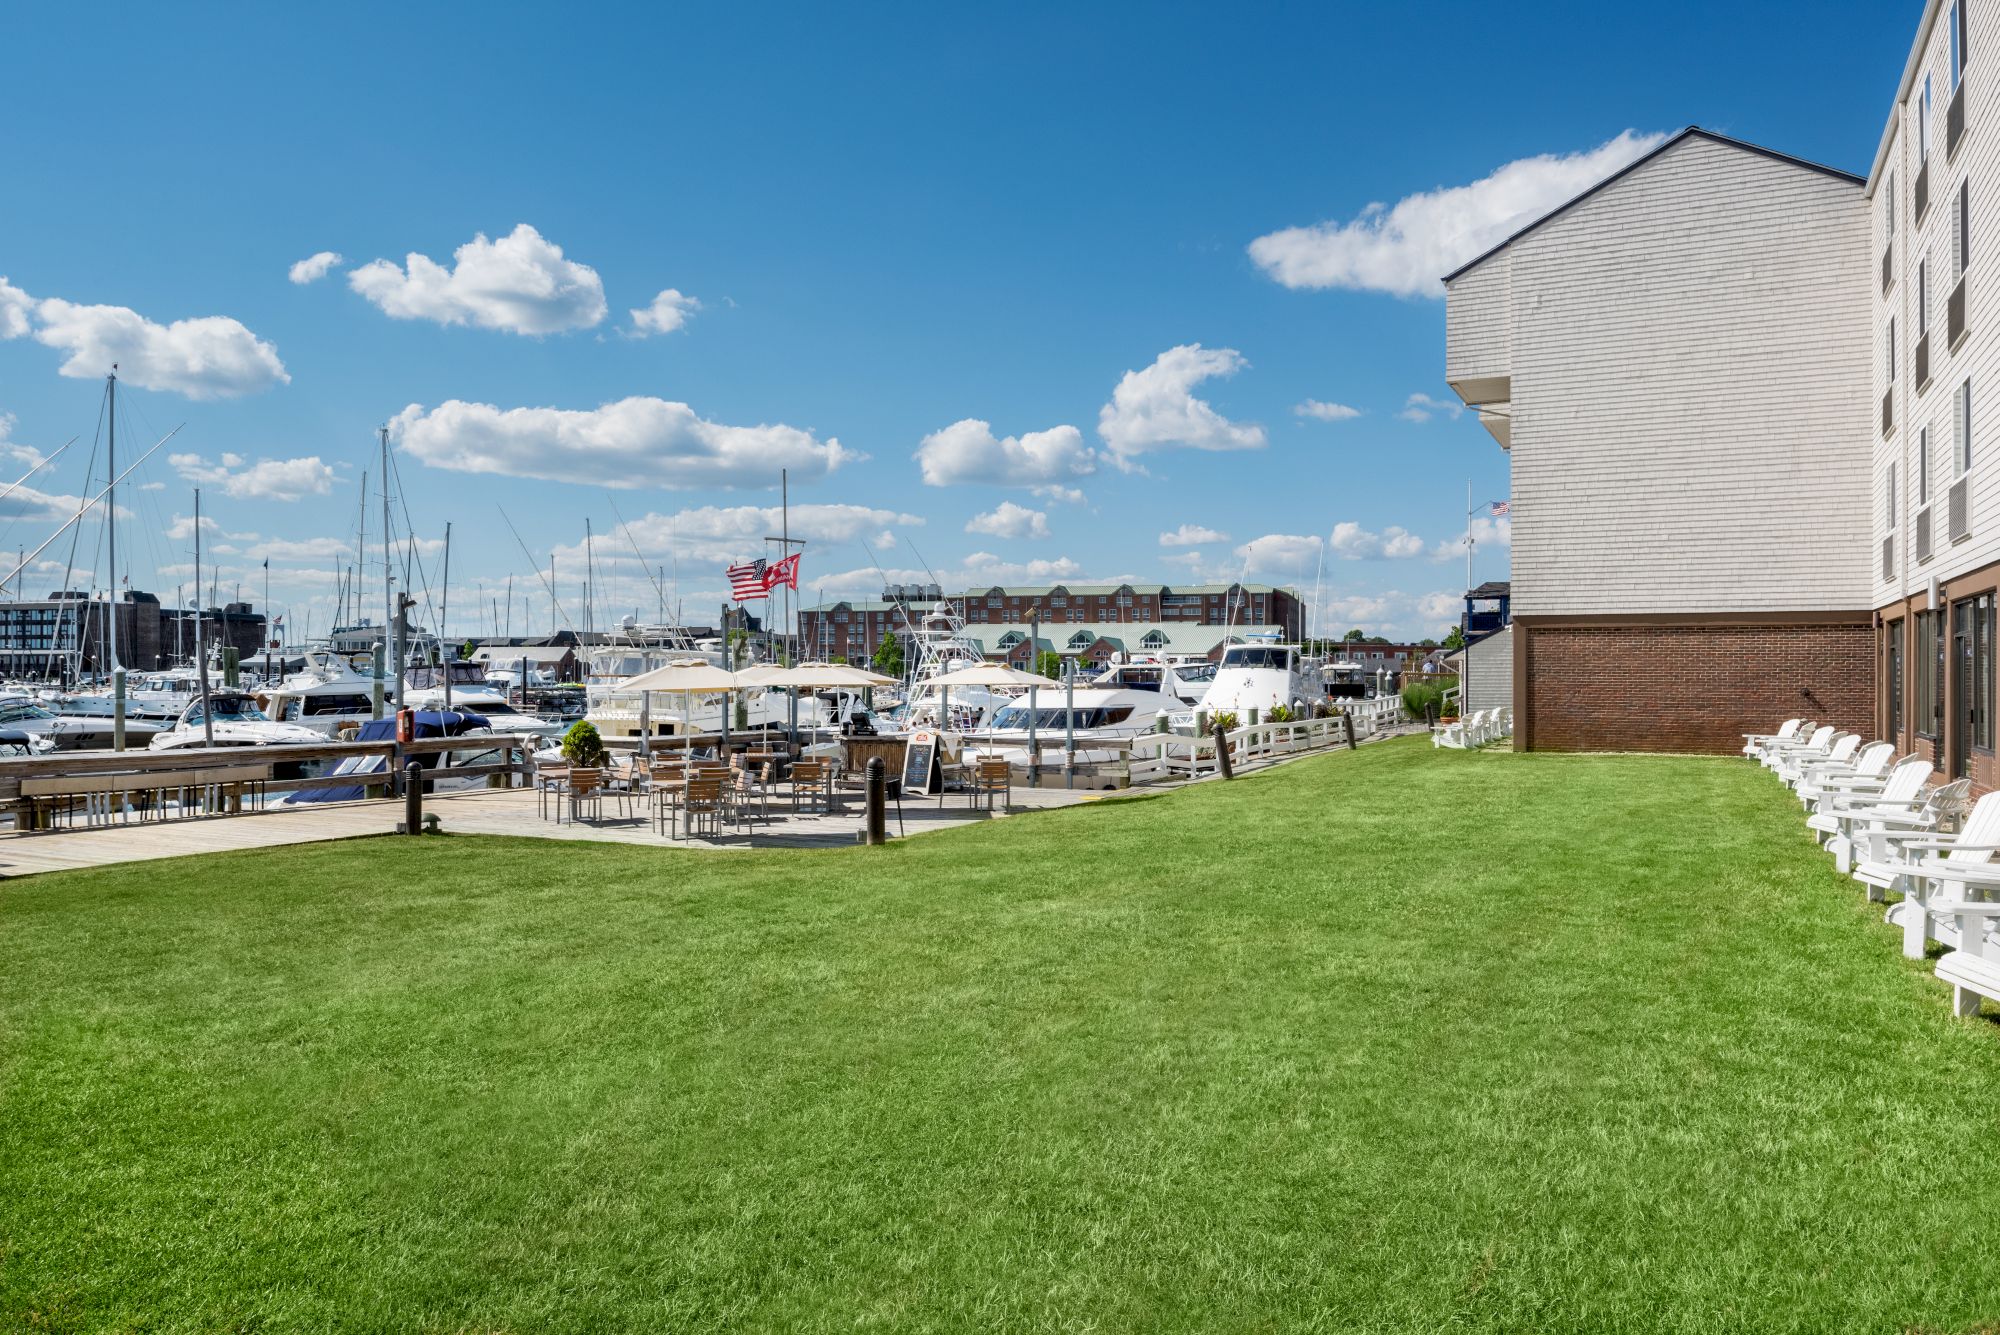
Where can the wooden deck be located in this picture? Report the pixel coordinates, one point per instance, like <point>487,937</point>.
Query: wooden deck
<point>483,811</point>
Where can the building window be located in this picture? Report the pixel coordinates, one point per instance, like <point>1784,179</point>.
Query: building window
<point>1928,659</point>
<point>1957,27</point>
<point>1889,498</point>
<point>1895,674</point>
<point>1889,209</point>
<point>1923,296</point>
<point>1963,428</point>
<point>1978,651</point>
<point>1889,342</point>
<point>1962,233</point>
<point>1924,123</point>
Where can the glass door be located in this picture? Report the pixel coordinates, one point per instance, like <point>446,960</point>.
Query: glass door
<point>1964,693</point>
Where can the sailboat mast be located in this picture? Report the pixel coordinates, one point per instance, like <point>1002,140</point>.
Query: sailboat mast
<point>111,508</point>
<point>388,549</point>
<point>589,573</point>
<point>350,607</point>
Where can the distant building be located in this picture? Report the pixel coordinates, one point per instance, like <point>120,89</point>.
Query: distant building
<point>50,638</point>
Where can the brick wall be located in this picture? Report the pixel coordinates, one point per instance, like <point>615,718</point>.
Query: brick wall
<point>1690,687</point>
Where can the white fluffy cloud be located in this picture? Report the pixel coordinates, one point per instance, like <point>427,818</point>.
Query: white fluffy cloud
<point>1156,408</point>
<point>1422,407</point>
<point>1009,520</point>
<point>1191,535</point>
<point>1279,554</point>
<point>25,455</point>
<point>1486,532</point>
<point>264,480</point>
<point>1325,412</point>
<point>17,311</point>
<point>1408,247</point>
<point>635,442</point>
<point>1060,495</point>
<point>313,267</point>
<point>720,534</point>
<point>669,311</point>
<point>210,357</point>
<point>520,284</point>
<point>300,549</point>
<point>968,451</point>
<point>978,571</point>
<point>1352,542</point>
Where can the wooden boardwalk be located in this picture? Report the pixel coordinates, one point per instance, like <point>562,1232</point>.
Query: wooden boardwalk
<point>482,811</point>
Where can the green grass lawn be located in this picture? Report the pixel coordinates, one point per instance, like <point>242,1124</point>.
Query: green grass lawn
<point>1395,1040</point>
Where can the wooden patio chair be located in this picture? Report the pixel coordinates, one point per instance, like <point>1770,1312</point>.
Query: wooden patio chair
<point>551,782</point>
<point>811,785</point>
<point>992,778</point>
<point>586,789</point>
<point>702,807</point>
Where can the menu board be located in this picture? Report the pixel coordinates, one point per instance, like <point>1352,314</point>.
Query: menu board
<point>921,771</point>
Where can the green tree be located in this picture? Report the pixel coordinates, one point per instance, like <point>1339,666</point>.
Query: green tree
<point>1048,663</point>
<point>1355,636</point>
<point>888,659</point>
<point>1427,643</point>
<point>1454,638</point>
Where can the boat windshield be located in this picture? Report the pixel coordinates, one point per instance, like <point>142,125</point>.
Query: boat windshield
<point>1257,656</point>
<point>227,709</point>
<point>1195,672</point>
<point>1014,718</point>
<point>21,711</point>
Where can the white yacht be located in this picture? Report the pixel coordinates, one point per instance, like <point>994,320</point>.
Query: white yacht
<point>1260,675</point>
<point>325,695</point>
<point>235,720</point>
<point>1091,716</point>
<point>1180,683</point>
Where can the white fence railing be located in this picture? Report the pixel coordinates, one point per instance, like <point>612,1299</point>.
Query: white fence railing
<point>1166,755</point>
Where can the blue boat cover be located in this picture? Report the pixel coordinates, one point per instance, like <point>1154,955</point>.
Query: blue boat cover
<point>429,723</point>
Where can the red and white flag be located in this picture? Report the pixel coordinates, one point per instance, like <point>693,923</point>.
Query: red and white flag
<point>1498,508</point>
<point>756,579</point>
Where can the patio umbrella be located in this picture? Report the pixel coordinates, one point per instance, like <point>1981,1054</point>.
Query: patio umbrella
<point>991,674</point>
<point>761,674</point>
<point>817,676</point>
<point>690,677</point>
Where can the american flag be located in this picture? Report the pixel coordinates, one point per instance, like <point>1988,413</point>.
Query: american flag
<point>1497,508</point>
<point>750,580</point>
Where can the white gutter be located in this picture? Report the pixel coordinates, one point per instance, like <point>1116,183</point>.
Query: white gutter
<point>1910,67</point>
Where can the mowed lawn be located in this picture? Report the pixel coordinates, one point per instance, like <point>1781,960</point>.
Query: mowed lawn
<point>1395,1040</point>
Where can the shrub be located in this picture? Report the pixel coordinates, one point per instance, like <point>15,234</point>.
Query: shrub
<point>1423,700</point>
<point>581,746</point>
<point>1223,719</point>
<point>1281,714</point>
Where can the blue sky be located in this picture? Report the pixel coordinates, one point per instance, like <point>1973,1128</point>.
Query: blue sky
<point>874,231</point>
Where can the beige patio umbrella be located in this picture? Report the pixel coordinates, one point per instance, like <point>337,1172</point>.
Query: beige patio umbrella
<point>992,674</point>
<point>818,676</point>
<point>761,674</point>
<point>691,677</point>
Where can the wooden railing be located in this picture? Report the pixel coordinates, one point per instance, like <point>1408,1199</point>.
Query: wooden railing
<point>164,771</point>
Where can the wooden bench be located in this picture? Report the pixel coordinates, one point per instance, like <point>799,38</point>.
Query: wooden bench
<point>1971,977</point>
<point>217,789</point>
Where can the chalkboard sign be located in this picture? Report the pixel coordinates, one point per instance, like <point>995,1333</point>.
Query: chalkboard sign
<point>921,771</point>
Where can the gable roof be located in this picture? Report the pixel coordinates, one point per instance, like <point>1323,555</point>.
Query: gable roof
<point>1691,132</point>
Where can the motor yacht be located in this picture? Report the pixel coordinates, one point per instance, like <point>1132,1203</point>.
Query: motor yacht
<point>1260,675</point>
<point>234,720</point>
<point>1180,683</point>
<point>1088,717</point>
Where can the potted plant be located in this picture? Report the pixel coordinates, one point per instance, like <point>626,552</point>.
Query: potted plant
<point>582,747</point>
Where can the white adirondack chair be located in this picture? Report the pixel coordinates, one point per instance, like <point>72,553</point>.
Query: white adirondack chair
<point>1865,773</point>
<point>1842,817</point>
<point>1816,744</point>
<point>1755,742</point>
<point>1946,881</point>
<point>1840,753</point>
<point>1881,858</point>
